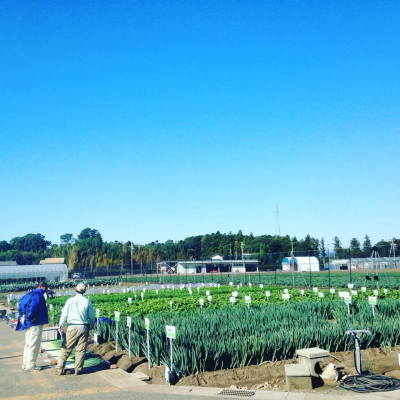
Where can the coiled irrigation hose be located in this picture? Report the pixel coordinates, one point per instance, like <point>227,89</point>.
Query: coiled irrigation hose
<point>368,383</point>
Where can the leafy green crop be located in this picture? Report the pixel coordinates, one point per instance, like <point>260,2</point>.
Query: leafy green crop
<point>225,335</point>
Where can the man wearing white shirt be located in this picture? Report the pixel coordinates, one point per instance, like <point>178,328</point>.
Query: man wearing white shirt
<point>78,313</point>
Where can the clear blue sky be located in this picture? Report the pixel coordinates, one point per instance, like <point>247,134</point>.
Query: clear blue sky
<point>156,120</point>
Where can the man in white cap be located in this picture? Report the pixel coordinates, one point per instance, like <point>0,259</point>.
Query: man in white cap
<point>79,314</point>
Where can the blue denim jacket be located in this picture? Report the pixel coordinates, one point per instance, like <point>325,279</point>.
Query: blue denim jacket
<point>35,310</point>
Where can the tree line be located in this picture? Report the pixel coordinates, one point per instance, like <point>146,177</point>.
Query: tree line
<point>88,250</point>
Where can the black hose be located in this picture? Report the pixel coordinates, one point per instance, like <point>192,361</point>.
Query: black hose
<point>368,383</point>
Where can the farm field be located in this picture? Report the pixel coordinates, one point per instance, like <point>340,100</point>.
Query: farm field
<point>388,278</point>
<point>336,278</point>
<point>219,334</point>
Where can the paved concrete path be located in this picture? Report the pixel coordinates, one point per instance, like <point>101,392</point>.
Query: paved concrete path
<point>16,384</point>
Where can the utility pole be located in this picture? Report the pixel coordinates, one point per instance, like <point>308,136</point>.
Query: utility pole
<point>131,258</point>
<point>277,225</point>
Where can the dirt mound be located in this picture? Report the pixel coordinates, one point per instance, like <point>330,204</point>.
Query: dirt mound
<point>101,349</point>
<point>267,376</point>
<point>130,364</point>
<point>271,376</point>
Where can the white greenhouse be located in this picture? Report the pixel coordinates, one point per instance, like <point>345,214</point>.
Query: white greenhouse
<point>300,264</point>
<point>48,272</point>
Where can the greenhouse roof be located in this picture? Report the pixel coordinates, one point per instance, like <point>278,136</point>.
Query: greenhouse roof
<point>8,263</point>
<point>49,272</point>
<point>368,259</point>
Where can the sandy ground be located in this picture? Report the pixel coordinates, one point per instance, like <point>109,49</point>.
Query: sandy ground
<point>268,376</point>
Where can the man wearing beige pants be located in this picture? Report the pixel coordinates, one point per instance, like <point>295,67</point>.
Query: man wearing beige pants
<point>79,314</point>
<point>32,315</point>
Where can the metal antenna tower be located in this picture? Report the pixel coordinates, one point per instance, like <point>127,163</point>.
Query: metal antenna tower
<point>277,226</point>
<point>392,253</point>
<point>131,258</point>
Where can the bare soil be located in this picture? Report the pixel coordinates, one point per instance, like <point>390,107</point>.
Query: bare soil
<point>267,376</point>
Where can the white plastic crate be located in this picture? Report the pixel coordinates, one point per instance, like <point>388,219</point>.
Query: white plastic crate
<point>50,334</point>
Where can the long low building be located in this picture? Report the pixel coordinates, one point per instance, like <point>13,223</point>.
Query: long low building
<point>213,265</point>
<point>11,271</point>
<point>366,263</point>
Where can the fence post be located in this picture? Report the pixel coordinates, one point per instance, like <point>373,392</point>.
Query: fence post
<point>350,264</point>
<point>329,274</point>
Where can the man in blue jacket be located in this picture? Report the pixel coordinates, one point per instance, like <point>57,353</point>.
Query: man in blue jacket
<point>33,315</point>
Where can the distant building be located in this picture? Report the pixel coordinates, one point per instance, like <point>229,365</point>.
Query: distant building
<point>215,264</point>
<point>300,264</point>
<point>365,263</point>
<point>49,270</point>
<point>52,261</point>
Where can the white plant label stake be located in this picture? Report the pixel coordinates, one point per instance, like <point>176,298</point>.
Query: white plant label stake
<point>267,294</point>
<point>201,302</point>
<point>373,301</point>
<point>129,324</point>
<point>130,301</point>
<point>147,327</point>
<point>116,329</point>
<point>347,300</point>
<point>247,300</point>
<point>286,296</point>
<point>97,330</point>
<point>171,335</point>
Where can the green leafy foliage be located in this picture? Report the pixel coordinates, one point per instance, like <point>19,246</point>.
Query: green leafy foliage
<point>222,335</point>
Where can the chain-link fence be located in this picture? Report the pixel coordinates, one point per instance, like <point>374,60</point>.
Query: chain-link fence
<point>300,269</point>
